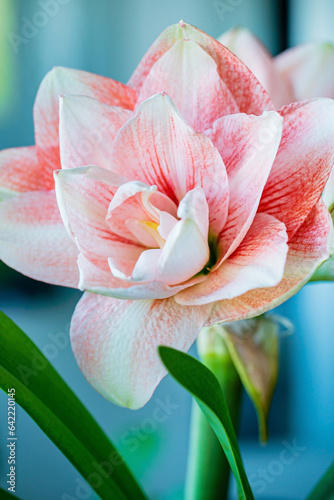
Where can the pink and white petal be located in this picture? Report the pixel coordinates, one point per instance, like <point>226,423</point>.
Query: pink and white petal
<point>134,289</point>
<point>61,81</point>
<point>164,204</point>
<point>255,55</point>
<point>33,239</point>
<point>244,87</point>
<point>248,146</point>
<point>307,250</point>
<point>309,69</point>
<point>200,100</point>
<point>194,207</point>
<point>97,278</point>
<point>115,343</point>
<point>21,171</point>
<point>186,251</point>
<point>130,210</point>
<point>159,148</point>
<point>123,258</point>
<point>146,266</point>
<point>148,205</point>
<point>258,262</point>
<point>303,162</point>
<point>160,46</point>
<point>248,93</point>
<point>87,129</point>
<point>94,276</point>
<point>252,52</point>
<point>128,289</point>
<point>184,255</point>
<point>167,223</point>
<point>49,157</point>
<point>83,196</point>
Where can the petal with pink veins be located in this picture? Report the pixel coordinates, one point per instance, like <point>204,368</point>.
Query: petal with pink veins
<point>303,162</point>
<point>201,96</point>
<point>84,195</point>
<point>159,148</point>
<point>33,239</point>
<point>132,215</point>
<point>21,171</point>
<point>248,145</point>
<point>121,285</point>
<point>61,81</point>
<point>247,92</point>
<point>307,250</point>
<point>115,343</point>
<point>93,276</point>
<point>258,262</point>
<point>87,129</point>
<point>254,54</point>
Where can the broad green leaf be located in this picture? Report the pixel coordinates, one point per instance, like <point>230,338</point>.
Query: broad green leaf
<point>204,386</point>
<point>324,490</point>
<point>4,495</point>
<point>44,395</point>
<point>255,354</point>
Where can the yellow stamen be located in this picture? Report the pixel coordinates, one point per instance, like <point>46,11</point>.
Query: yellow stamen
<point>148,223</point>
<point>152,229</point>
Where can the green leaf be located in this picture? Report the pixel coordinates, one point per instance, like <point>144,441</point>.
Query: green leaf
<point>44,395</point>
<point>204,386</point>
<point>324,490</point>
<point>4,495</point>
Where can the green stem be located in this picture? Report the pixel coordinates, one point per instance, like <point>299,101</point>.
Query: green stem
<point>208,469</point>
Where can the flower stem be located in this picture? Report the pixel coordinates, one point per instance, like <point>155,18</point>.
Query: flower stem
<point>208,469</point>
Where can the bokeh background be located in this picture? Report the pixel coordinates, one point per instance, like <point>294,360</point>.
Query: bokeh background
<point>109,37</point>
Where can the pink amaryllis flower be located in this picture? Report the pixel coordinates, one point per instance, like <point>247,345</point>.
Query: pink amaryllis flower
<point>173,224</point>
<point>188,229</point>
<point>30,226</point>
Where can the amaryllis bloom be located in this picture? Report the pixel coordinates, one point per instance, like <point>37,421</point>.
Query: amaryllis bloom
<point>188,229</point>
<point>186,199</point>
<point>172,64</point>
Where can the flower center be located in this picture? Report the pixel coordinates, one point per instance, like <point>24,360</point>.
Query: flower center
<point>152,229</point>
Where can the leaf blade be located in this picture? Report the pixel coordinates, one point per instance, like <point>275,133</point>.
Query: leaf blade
<point>324,489</point>
<point>4,495</point>
<point>44,395</point>
<point>205,388</point>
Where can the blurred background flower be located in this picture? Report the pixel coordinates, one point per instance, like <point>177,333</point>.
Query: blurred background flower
<point>109,38</point>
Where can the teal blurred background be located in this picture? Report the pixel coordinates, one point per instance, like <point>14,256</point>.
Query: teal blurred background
<point>109,38</point>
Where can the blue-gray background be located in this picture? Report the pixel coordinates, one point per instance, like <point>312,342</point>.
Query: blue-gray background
<point>109,37</point>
